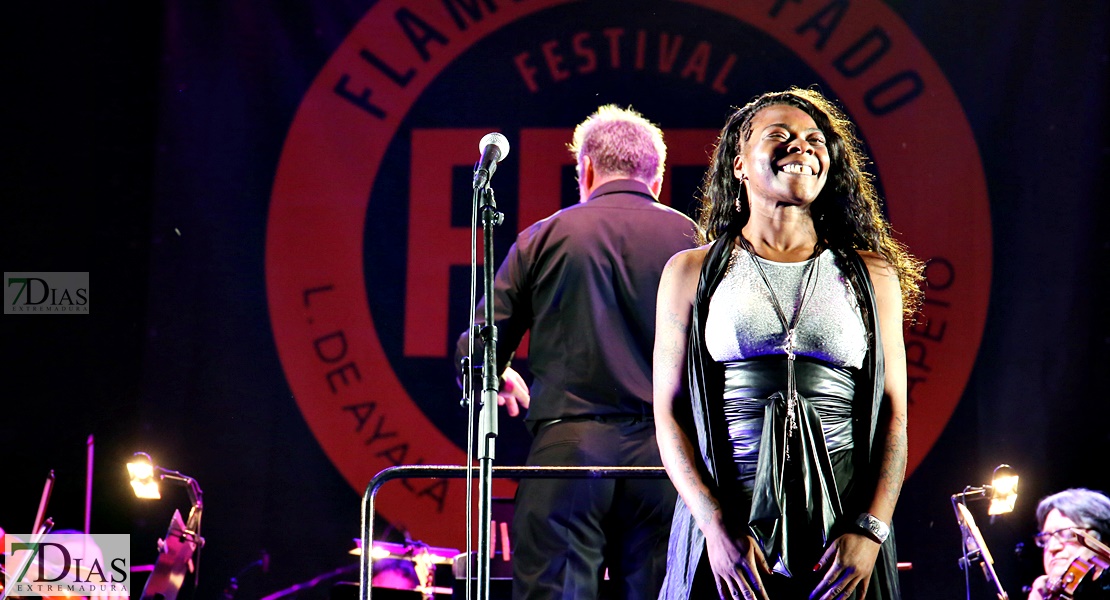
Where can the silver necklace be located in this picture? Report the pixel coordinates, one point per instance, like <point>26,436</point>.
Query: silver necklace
<point>790,328</point>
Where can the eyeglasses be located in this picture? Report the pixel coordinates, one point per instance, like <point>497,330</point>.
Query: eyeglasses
<point>1065,535</point>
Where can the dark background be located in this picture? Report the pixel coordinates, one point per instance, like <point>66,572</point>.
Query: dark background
<point>128,155</point>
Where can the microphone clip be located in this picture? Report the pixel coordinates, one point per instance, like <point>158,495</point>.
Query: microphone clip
<point>490,214</point>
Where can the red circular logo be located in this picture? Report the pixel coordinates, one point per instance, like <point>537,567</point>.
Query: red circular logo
<point>360,299</point>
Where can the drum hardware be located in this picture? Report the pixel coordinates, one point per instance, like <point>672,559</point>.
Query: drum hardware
<point>425,561</point>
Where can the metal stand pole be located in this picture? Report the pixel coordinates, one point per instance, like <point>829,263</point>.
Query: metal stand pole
<point>491,383</point>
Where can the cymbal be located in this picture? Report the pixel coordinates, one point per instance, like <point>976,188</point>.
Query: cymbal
<point>409,551</point>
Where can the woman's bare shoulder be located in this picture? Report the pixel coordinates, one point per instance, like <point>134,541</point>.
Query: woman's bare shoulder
<point>683,269</point>
<point>691,259</point>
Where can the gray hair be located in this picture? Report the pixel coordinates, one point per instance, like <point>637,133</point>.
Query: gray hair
<point>1087,508</point>
<point>620,141</point>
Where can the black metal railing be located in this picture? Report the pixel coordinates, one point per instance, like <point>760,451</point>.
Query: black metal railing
<point>459,472</point>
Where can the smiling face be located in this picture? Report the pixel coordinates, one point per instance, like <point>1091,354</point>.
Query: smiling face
<point>1058,554</point>
<point>785,160</point>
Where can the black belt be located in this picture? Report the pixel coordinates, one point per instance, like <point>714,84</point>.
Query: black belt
<point>596,418</point>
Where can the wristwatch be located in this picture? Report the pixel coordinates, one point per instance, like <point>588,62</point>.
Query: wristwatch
<point>873,527</point>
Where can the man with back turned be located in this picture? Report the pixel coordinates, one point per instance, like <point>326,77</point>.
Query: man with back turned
<point>584,282</point>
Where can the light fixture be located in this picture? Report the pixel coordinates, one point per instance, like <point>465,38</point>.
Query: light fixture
<point>141,472</point>
<point>180,550</point>
<point>1002,493</point>
<point>145,478</point>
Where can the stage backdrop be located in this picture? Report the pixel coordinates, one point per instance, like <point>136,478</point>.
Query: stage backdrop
<point>310,241</point>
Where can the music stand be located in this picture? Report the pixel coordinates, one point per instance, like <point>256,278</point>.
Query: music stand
<point>975,548</point>
<point>175,555</point>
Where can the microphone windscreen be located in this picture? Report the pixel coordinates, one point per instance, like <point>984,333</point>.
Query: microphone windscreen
<point>495,139</point>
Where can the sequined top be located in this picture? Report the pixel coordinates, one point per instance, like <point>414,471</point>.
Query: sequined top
<point>744,333</point>
<point>742,322</point>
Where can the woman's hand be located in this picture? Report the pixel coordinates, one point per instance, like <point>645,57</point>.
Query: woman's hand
<point>850,559</point>
<point>736,565</point>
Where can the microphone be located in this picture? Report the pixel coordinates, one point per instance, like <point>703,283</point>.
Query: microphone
<point>494,148</point>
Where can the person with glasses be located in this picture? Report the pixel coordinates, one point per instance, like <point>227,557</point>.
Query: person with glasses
<point>1061,518</point>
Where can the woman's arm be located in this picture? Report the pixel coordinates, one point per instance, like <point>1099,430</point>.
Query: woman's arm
<point>890,435</point>
<point>677,288</point>
<point>853,555</point>
<point>735,563</point>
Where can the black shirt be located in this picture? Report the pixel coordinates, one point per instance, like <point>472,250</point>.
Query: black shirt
<point>584,281</point>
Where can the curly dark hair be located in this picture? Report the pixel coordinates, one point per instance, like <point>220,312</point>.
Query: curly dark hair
<point>847,213</point>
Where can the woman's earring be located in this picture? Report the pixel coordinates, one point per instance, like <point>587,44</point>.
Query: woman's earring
<point>739,191</point>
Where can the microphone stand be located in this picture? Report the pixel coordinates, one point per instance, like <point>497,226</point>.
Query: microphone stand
<point>491,383</point>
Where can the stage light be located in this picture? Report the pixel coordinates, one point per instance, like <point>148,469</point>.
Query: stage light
<point>141,472</point>
<point>147,476</point>
<point>1003,491</point>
